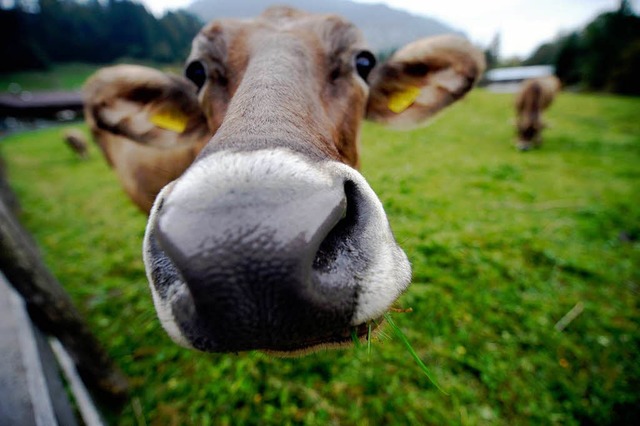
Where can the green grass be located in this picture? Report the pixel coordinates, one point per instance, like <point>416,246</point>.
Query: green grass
<point>400,335</point>
<point>503,244</point>
<point>60,77</point>
<point>69,76</point>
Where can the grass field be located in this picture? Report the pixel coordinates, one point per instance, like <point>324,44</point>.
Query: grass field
<point>69,76</point>
<point>503,245</point>
<point>60,77</point>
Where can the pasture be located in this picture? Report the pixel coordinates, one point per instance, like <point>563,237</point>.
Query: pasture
<point>503,245</point>
<point>62,77</point>
<point>59,77</point>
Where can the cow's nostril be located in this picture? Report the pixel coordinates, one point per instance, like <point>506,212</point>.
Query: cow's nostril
<point>339,240</point>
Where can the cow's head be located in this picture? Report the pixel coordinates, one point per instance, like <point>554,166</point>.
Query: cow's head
<point>271,239</point>
<point>529,123</point>
<point>529,129</point>
<point>534,96</point>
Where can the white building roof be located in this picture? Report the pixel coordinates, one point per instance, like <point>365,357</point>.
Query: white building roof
<point>518,73</point>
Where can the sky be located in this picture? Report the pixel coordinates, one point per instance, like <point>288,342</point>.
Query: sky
<point>522,24</point>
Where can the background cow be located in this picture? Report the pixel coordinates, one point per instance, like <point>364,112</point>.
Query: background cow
<point>534,96</point>
<point>77,142</point>
<point>270,239</point>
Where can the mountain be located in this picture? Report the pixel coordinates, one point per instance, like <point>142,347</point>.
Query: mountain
<point>384,28</point>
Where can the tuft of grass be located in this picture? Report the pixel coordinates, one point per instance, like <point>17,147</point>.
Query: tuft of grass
<point>355,338</point>
<point>400,335</point>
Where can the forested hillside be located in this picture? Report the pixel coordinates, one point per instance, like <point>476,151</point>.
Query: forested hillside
<point>54,31</point>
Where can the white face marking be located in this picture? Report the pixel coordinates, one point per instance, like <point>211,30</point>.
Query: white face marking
<point>243,169</point>
<point>388,270</point>
<point>163,306</point>
<point>165,312</point>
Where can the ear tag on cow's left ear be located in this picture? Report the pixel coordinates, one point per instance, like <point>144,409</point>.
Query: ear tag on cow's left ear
<point>171,119</point>
<point>400,101</point>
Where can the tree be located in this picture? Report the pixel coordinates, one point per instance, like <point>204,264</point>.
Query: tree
<point>91,31</point>
<point>602,56</point>
<point>567,61</point>
<point>626,78</point>
<point>605,41</point>
<point>19,52</point>
<point>546,54</point>
<point>492,52</point>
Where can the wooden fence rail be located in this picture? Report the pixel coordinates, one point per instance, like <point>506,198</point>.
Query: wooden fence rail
<point>52,310</point>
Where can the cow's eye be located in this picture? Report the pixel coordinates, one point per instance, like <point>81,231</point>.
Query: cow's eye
<point>365,61</point>
<point>197,73</point>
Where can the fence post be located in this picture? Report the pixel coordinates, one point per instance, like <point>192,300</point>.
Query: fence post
<point>53,311</point>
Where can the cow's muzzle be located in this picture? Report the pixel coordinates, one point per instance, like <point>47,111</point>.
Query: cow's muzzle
<point>265,250</point>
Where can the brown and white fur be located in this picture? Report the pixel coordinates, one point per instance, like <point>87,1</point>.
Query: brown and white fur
<point>535,96</point>
<point>263,234</point>
<point>77,142</point>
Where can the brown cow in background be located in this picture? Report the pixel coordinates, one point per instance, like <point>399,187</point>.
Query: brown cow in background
<point>534,96</point>
<point>77,142</point>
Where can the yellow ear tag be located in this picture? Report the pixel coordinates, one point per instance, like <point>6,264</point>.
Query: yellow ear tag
<point>400,101</point>
<point>170,119</point>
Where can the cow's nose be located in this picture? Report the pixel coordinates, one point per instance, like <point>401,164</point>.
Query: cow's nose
<point>263,262</point>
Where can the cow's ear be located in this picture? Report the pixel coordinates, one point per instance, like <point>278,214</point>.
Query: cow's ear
<point>421,79</point>
<point>145,106</point>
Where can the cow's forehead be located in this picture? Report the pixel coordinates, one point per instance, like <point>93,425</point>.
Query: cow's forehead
<point>331,33</point>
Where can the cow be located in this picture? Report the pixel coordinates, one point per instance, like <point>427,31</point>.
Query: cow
<point>77,142</point>
<point>262,234</point>
<point>535,95</point>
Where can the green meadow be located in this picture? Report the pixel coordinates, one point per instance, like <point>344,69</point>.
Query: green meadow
<point>69,76</point>
<point>503,244</point>
<point>59,77</point>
